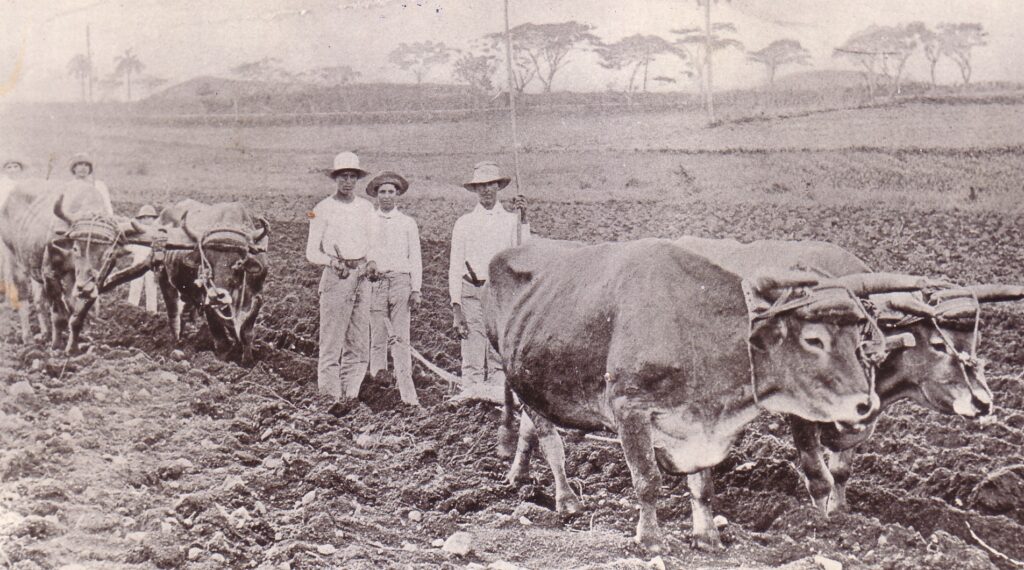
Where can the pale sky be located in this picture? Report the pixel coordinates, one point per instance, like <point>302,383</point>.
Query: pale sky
<point>177,40</point>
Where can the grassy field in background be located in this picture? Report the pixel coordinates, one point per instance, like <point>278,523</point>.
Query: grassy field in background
<point>911,155</point>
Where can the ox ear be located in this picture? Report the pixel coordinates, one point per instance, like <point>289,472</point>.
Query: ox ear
<point>191,259</point>
<point>766,334</point>
<point>252,266</point>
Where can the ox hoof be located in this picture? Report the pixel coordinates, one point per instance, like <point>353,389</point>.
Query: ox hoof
<point>707,542</point>
<point>506,443</point>
<point>569,505</point>
<point>652,542</point>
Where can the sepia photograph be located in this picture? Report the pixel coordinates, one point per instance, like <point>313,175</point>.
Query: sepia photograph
<point>511,284</point>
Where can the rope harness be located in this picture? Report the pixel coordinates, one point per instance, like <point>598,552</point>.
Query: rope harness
<point>103,231</point>
<point>950,309</point>
<point>229,239</point>
<point>870,349</point>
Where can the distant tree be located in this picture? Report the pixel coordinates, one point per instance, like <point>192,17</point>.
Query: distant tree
<point>957,42</point>
<point>692,45</point>
<point>634,52</point>
<point>268,70</point>
<point>420,57</point>
<point>332,76</point>
<point>523,70</point>
<point>931,45</point>
<point>779,53</point>
<point>863,48</point>
<point>127,64</point>
<point>80,69</point>
<point>547,45</point>
<point>882,50</point>
<point>477,71</point>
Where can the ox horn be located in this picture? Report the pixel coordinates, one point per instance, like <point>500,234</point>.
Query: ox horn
<point>261,233</point>
<point>767,281</point>
<point>864,284</point>
<point>58,209</point>
<point>997,293</point>
<point>899,341</point>
<point>911,306</point>
<point>184,228</point>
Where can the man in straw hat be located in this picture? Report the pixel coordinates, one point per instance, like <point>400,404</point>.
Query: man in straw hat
<point>147,217</point>
<point>342,234</point>
<point>477,237</point>
<point>82,170</point>
<point>400,266</point>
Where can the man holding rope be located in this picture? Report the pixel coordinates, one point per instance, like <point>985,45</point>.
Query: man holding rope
<point>400,264</point>
<point>477,237</point>
<point>342,233</point>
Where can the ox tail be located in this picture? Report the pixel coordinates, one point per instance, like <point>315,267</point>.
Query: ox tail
<point>506,433</point>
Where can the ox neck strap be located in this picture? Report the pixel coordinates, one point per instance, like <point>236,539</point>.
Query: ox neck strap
<point>753,305</point>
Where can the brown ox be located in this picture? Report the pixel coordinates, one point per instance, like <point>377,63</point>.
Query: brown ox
<point>60,236</point>
<point>656,343</point>
<point>937,369</point>
<point>223,274</point>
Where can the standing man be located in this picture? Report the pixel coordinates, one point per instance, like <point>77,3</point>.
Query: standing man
<point>401,276</point>
<point>342,233</point>
<point>146,217</point>
<point>11,172</point>
<point>82,169</point>
<point>477,237</point>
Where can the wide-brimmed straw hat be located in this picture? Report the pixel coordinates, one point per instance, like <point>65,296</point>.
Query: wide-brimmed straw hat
<point>146,211</point>
<point>14,161</point>
<point>387,177</point>
<point>347,161</point>
<point>81,158</point>
<point>485,172</point>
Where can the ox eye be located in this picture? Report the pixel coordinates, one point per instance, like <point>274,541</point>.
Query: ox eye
<point>939,345</point>
<point>814,342</point>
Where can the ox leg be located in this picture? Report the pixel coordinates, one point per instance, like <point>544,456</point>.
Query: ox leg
<point>566,500</point>
<point>817,477</point>
<point>246,335</point>
<point>54,291</point>
<point>221,345</point>
<point>506,438</point>
<point>16,289</point>
<point>702,489</point>
<point>839,464</point>
<point>170,295</point>
<point>15,294</point>
<point>75,326</point>
<point>520,470</point>
<point>42,306</point>
<point>638,447</point>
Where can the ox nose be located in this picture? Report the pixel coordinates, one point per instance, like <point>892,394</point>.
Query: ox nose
<point>867,406</point>
<point>984,408</point>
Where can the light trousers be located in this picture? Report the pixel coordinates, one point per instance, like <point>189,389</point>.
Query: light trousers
<point>344,334</point>
<point>135,288</point>
<point>479,360</point>
<point>390,311</point>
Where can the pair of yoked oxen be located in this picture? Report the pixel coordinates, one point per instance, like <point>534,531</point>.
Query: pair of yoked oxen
<point>60,236</point>
<point>677,345</point>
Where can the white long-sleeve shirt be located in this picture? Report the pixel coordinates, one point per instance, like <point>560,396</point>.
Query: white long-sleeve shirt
<point>352,227</point>
<point>398,246</point>
<point>100,187</point>
<point>478,236</point>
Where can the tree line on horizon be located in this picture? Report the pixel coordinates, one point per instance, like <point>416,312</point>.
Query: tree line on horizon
<point>541,51</point>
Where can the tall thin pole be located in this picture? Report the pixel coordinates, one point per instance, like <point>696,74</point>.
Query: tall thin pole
<point>88,57</point>
<point>512,99</point>
<point>707,59</point>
